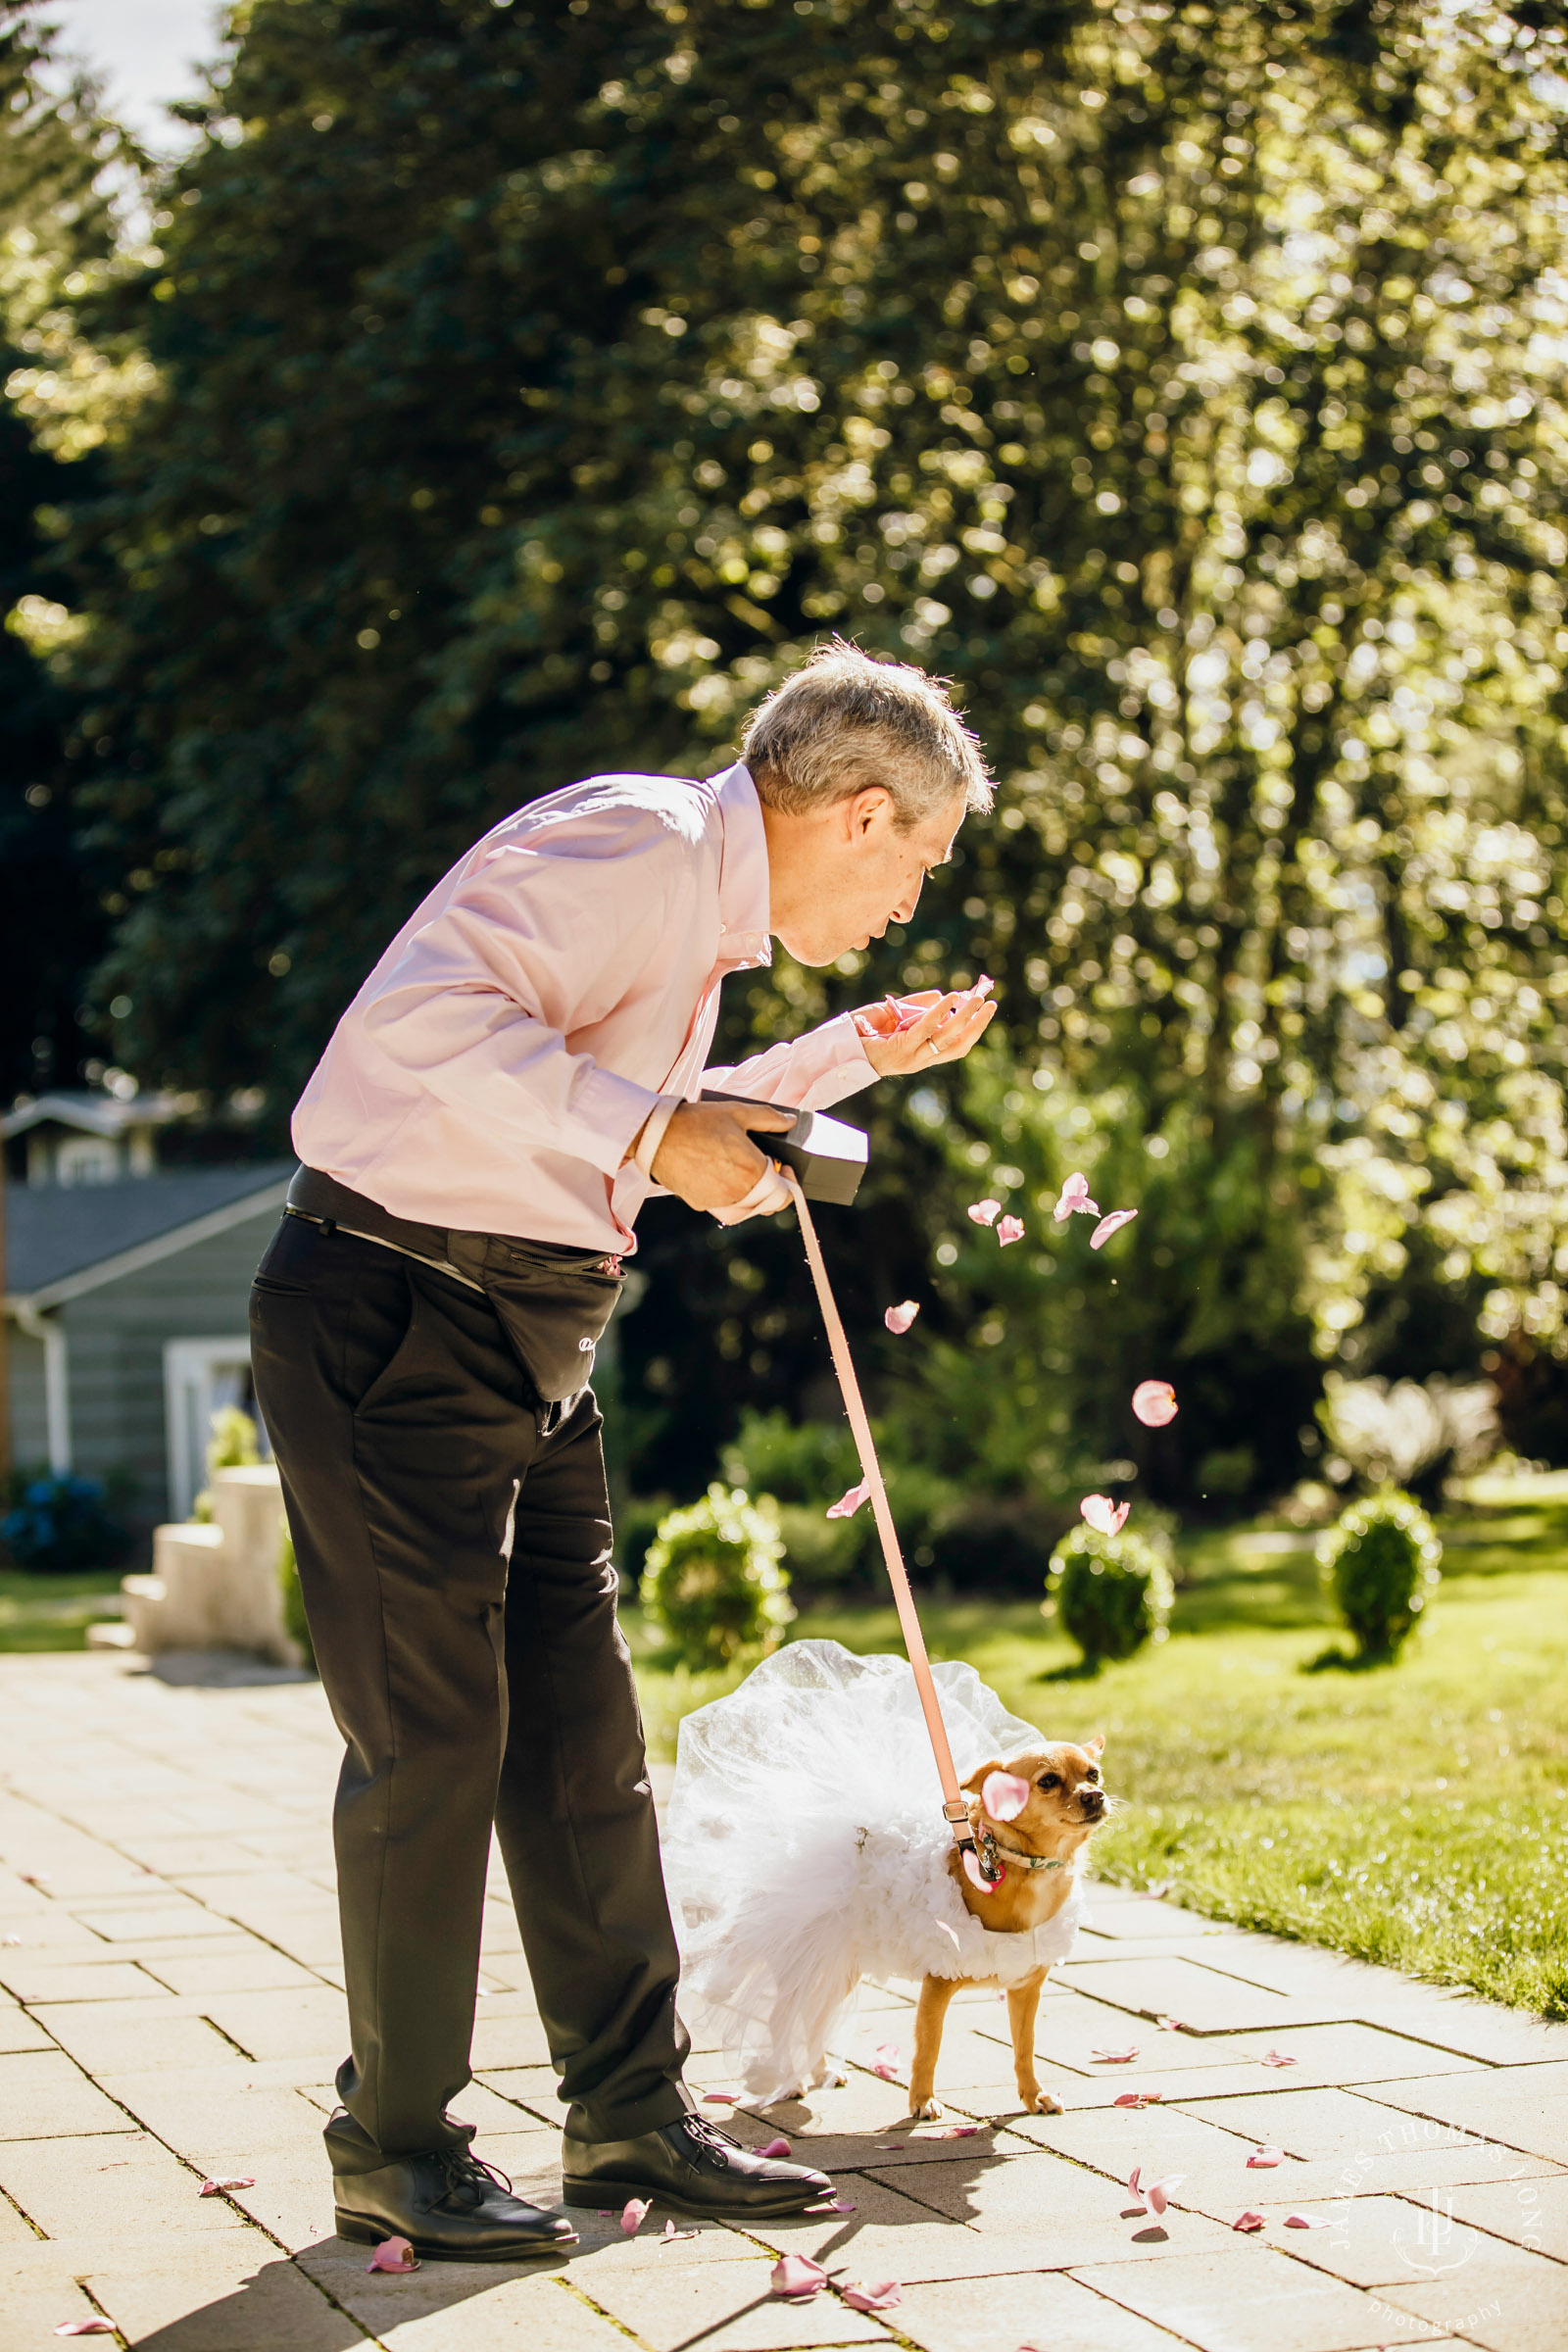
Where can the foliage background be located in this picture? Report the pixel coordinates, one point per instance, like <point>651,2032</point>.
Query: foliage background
<point>502,393</point>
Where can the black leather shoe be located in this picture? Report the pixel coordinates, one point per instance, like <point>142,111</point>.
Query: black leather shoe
<point>689,2164</point>
<point>450,2207</point>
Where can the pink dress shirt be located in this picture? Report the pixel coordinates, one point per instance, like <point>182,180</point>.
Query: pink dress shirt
<point>526,1021</point>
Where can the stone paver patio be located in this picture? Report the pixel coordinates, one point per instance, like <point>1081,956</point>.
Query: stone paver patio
<point>170,2010</point>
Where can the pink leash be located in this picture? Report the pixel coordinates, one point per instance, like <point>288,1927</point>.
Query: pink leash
<point>953,1806</point>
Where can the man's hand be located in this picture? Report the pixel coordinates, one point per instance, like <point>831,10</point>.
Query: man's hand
<point>948,1026</point>
<point>706,1158</point>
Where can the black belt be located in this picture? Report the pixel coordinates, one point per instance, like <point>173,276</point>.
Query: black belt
<point>553,1301</point>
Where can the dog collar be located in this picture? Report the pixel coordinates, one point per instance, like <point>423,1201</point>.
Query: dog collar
<point>994,1856</point>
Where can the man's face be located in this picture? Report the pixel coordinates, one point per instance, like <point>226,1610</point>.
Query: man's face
<point>848,872</point>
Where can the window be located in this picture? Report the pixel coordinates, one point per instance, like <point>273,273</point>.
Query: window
<point>87,1160</point>
<point>200,1378</point>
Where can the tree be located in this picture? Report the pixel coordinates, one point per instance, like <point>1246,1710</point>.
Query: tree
<point>54,220</point>
<point>1181,377</point>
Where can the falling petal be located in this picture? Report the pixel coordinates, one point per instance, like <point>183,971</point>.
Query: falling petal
<point>393,2254</point>
<point>1010,1228</point>
<point>775,2147</point>
<point>975,1875</point>
<point>1106,1517</point>
<point>1155,1402</point>
<point>796,2276</point>
<point>1262,2160</point>
<point>1004,1795</point>
<point>84,2327</point>
<point>1277,2058</point>
<point>1306,2220</point>
<point>1102,1232</point>
<point>1159,2192</point>
<point>899,1318</point>
<point>220,2188</point>
<point>848,1504</point>
<point>633,2214</point>
<point>985,1212</point>
<point>1248,2220</point>
<point>1116,2057</point>
<point>887,2296</point>
<point>1074,1200</point>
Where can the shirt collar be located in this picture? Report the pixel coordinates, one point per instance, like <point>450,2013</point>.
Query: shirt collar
<point>743,892</point>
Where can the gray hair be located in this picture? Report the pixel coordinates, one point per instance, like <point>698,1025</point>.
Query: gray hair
<point>843,721</point>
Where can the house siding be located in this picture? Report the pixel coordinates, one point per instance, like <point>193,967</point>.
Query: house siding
<point>29,1417</point>
<point>116,1336</point>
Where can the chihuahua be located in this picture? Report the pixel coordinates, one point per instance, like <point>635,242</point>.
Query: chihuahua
<point>1036,1853</point>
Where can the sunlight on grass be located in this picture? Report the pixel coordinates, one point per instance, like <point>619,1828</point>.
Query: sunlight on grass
<point>1413,1814</point>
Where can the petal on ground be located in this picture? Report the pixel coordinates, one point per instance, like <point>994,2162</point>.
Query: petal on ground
<point>1248,2220</point>
<point>393,2254</point>
<point>1263,2160</point>
<point>775,2147</point>
<point>886,2295</point>
<point>796,2276</point>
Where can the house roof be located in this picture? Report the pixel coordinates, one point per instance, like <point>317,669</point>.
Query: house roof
<point>62,1240</point>
<point>91,1113</point>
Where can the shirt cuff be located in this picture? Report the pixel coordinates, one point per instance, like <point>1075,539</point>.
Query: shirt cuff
<point>652,1134</point>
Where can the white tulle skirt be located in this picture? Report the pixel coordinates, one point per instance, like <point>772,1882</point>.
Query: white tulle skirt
<point>806,1848</point>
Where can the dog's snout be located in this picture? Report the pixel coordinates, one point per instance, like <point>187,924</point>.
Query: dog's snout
<point>1093,1801</point>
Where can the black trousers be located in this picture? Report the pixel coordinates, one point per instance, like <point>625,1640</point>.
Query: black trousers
<point>455,1561</point>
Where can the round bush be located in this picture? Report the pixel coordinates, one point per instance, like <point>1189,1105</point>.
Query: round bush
<point>1378,1562</point>
<point>63,1524</point>
<point>712,1581</point>
<point>1112,1592</point>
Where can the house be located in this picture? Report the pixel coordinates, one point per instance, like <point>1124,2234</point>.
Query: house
<point>126,1288</point>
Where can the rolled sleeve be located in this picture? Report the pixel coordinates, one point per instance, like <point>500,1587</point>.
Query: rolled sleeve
<point>807,1073</point>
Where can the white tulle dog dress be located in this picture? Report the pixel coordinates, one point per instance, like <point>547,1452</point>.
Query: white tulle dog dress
<point>806,1848</point>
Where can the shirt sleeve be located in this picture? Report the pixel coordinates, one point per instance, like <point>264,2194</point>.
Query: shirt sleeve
<point>536,943</point>
<point>807,1073</point>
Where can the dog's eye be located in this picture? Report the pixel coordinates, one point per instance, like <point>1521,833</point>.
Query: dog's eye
<point>1049,1780</point>
<point>1093,1774</point>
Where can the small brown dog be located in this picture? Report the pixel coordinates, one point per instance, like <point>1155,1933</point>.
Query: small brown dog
<point>1038,1851</point>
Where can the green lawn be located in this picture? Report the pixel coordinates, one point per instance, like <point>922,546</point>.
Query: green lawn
<point>53,1612</point>
<point>1416,1814</point>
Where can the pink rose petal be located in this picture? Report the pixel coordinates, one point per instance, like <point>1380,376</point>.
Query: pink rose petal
<point>1004,1795</point>
<point>960,2132</point>
<point>1155,1402</point>
<point>1116,2057</point>
<point>832,2205</point>
<point>775,2147</point>
<point>719,2099</point>
<point>633,2214</point>
<point>1263,2160</point>
<point>899,1318</point>
<point>1074,1200</point>
<point>220,2188</point>
<point>84,2327</point>
<point>1170,2024</point>
<point>671,2236</point>
<point>394,2254</point>
<point>1153,2193</point>
<point>848,1504</point>
<point>981,989</point>
<point>796,2276</point>
<point>974,1874</point>
<point>943,1928</point>
<point>1306,2220</point>
<point>1157,1892</point>
<point>890,2143</point>
<point>886,2296</point>
<point>1102,1232</point>
<point>1248,2220</point>
<point>1138,2098</point>
<point>1276,2058</point>
<point>1106,1517</point>
<point>985,1212</point>
<point>1010,1228</point>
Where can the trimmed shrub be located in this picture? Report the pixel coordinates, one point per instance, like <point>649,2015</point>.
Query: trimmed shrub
<point>232,1445</point>
<point>1378,1561</point>
<point>58,1525</point>
<point>712,1583</point>
<point>294,1618</point>
<point>1112,1592</point>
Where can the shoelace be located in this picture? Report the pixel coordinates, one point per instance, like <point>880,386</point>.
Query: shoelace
<point>468,2179</point>
<point>708,2138</point>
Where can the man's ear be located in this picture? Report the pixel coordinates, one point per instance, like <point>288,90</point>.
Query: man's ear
<point>976,1781</point>
<point>1097,1746</point>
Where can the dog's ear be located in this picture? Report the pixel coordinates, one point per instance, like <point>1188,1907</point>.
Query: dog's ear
<point>1094,1747</point>
<point>976,1781</point>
